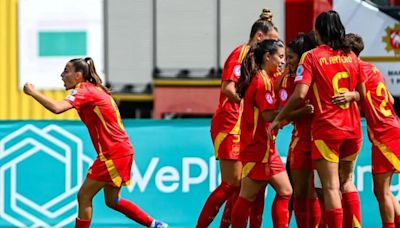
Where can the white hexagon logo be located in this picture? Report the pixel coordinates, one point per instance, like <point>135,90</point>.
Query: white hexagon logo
<point>62,153</point>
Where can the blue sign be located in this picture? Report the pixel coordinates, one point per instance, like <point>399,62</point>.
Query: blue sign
<point>43,164</point>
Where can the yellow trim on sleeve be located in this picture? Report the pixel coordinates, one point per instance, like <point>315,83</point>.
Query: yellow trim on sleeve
<point>284,83</point>
<point>325,151</point>
<point>243,52</point>
<point>266,80</point>
<point>303,57</point>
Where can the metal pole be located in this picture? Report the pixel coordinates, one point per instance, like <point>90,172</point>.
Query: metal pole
<point>154,36</point>
<point>218,37</point>
<point>105,40</point>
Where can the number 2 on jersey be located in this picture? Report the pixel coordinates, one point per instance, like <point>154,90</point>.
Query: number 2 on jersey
<point>381,90</point>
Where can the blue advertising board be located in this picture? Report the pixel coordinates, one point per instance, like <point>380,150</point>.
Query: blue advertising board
<point>43,163</point>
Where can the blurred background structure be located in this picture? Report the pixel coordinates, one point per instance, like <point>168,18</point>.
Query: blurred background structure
<point>162,59</point>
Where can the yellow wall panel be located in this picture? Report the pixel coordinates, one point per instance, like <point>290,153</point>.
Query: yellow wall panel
<point>14,104</point>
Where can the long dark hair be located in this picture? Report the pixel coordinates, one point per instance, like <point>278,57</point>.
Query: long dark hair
<point>86,66</point>
<point>356,43</point>
<point>263,24</point>
<point>302,43</point>
<point>331,31</point>
<point>254,61</point>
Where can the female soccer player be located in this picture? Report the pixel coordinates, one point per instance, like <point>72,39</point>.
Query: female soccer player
<point>261,161</point>
<point>99,113</point>
<point>383,132</point>
<point>299,164</point>
<point>225,128</point>
<point>331,69</point>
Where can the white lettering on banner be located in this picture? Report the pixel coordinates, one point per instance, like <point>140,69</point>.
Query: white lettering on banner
<point>361,170</point>
<point>213,174</point>
<point>167,174</point>
<point>137,177</point>
<point>169,179</point>
<point>187,179</point>
<point>396,188</point>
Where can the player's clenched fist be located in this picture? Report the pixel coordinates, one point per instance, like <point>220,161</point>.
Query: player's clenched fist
<point>29,88</point>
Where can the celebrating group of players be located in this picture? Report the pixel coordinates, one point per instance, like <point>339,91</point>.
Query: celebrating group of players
<point>321,90</point>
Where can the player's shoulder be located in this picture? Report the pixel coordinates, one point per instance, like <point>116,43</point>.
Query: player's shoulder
<point>308,54</point>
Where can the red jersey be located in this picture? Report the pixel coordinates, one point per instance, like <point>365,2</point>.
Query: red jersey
<point>329,72</point>
<point>227,116</point>
<point>383,123</point>
<point>259,97</point>
<point>100,114</point>
<point>302,125</point>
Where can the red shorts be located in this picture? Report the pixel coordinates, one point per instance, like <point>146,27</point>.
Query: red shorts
<point>226,146</point>
<point>386,156</point>
<point>300,154</point>
<point>115,171</point>
<point>263,171</point>
<point>336,149</point>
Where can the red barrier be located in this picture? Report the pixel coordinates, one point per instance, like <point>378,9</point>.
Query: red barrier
<point>301,14</point>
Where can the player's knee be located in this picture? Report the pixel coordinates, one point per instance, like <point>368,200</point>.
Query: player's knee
<point>381,193</point>
<point>83,197</point>
<point>345,180</point>
<point>285,191</point>
<point>112,203</point>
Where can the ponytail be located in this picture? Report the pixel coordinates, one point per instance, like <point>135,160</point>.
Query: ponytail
<point>248,69</point>
<point>263,24</point>
<point>86,66</point>
<point>254,62</point>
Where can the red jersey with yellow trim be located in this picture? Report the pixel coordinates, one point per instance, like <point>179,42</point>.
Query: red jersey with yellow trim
<point>227,116</point>
<point>259,97</point>
<point>383,123</point>
<point>329,72</point>
<point>100,114</point>
<point>302,125</point>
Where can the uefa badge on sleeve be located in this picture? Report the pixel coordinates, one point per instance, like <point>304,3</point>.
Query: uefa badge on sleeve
<point>283,95</point>
<point>269,98</point>
<point>236,70</point>
<point>299,73</point>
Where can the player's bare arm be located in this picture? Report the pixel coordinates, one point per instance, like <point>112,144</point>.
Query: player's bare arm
<point>229,90</point>
<point>49,103</point>
<point>298,96</point>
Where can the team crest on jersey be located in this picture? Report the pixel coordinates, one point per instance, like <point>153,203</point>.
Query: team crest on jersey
<point>269,98</point>
<point>236,70</point>
<point>71,97</point>
<point>299,73</point>
<point>283,95</point>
